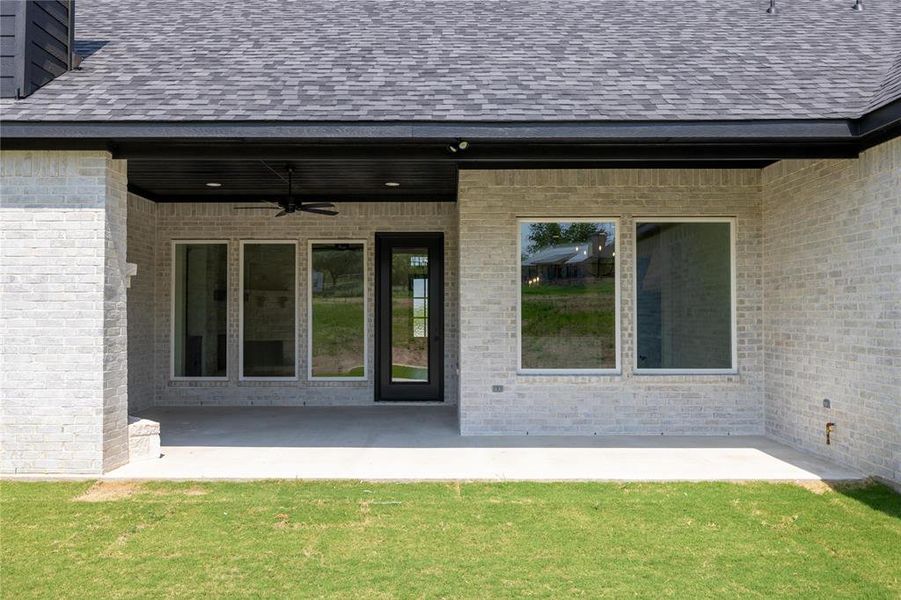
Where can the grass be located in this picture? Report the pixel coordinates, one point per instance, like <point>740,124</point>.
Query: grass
<point>397,371</point>
<point>364,540</point>
<point>569,326</point>
<point>338,336</point>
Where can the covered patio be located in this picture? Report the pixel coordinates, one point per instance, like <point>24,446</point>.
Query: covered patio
<point>423,443</point>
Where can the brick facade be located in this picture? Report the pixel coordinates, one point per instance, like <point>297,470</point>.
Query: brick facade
<point>357,221</point>
<point>818,267</point>
<point>142,249</point>
<point>62,315</point>
<point>490,203</point>
<point>832,297</point>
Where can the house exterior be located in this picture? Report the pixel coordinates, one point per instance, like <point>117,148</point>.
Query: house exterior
<point>584,218</point>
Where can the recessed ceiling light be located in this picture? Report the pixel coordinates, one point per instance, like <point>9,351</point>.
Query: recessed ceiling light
<point>213,184</point>
<point>392,184</point>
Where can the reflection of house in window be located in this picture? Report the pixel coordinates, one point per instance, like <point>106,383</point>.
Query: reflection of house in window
<point>567,262</point>
<point>420,288</point>
<point>318,281</point>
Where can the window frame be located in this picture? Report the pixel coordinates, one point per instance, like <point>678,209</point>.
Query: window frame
<point>310,244</point>
<point>241,376</point>
<point>172,268</point>
<point>731,220</point>
<point>617,370</point>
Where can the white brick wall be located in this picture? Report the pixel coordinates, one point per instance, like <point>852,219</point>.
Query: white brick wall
<point>819,305</point>
<point>142,245</point>
<point>62,318</point>
<point>489,204</point>
<point>356,221</point>
<point>832,293</point>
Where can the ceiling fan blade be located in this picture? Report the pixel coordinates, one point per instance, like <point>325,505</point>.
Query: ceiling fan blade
<point>319,211</point>
<point>282,213</point>
<point>317,205</point>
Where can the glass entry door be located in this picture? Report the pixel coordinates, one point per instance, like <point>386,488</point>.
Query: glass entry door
<point>410,319</point>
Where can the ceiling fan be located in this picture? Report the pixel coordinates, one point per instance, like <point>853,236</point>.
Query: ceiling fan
<point>289,205</point>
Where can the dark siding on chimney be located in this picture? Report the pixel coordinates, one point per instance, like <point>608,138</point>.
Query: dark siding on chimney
<point>36,41</point>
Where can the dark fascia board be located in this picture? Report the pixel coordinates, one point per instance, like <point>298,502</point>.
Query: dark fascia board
<point>610,131</point>
<point>880,118</point>
<point>478,153</point>
<point>519,143</point>
<point>879,125</point>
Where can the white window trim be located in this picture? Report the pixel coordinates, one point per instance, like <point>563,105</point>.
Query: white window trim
<point>241,376</point>
<point>617,293</point>
<point>310,245</point>
<point>173,245</point>
<point>733,370</point>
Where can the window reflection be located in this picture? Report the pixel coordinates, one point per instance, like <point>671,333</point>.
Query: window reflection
<point>684,295</point>
<point>269,310</point>
<point>568,295</point>
<point>409,314</point>
<point>200,310</point>
<point>338,317</point>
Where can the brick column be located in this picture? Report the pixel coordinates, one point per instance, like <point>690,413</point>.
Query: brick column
<point>63,320</point>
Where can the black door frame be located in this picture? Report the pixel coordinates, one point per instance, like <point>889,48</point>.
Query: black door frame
<point>385,390</point>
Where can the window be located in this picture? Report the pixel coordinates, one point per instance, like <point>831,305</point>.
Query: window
<point>199,310</point>
<point>569,298</point>
<point>409,314</point>
<point>684,295</point>
<point>337,311</point>
<point>268,310</point>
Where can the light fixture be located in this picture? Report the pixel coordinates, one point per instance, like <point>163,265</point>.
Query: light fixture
<point>213,184</point>
<point>392,184</point>
<point>772,9</point>
<point>858,5</point>
<point>459,146</point>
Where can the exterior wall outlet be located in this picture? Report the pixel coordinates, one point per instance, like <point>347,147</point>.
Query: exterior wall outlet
<point>497,388</point>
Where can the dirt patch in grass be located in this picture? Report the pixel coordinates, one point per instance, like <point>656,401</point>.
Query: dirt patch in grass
<point>818,486</point>
<point>108,491</point>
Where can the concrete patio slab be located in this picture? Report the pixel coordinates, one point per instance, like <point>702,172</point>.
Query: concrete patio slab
<point>423,443</point>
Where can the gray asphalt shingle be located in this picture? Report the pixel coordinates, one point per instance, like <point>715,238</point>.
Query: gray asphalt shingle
<point>438,60</point>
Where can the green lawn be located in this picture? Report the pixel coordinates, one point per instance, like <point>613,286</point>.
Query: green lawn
<point>364,540</point>
<point>569,326</point>
<point>338,337</point>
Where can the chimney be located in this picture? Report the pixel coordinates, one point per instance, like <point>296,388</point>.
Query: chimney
<point>37,40</point>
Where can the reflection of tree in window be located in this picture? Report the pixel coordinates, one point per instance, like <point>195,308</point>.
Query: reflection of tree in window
<point>568,295</point>
<point>409,314</point>
<point>338,312</point>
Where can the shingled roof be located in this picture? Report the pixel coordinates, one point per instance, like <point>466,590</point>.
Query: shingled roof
<point>516,60</point>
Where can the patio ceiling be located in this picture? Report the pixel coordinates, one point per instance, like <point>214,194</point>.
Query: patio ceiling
<point>260,179</point>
